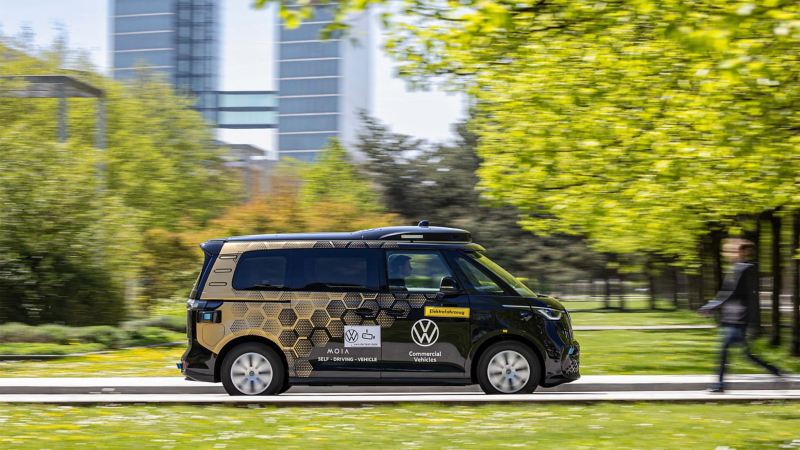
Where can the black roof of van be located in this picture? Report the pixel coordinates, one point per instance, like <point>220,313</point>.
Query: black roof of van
<point>417,233</point>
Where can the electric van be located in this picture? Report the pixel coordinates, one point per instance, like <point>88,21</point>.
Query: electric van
<point>416,305</point>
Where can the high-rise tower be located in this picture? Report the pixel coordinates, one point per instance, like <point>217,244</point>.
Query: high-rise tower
<point>323,85</point>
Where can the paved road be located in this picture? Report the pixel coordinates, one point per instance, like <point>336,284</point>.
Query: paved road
<point>399,397</point>
<point>178,385</point>
<point>588,388</point>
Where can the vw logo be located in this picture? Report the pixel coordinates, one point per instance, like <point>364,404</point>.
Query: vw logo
<point>351,335</point>
<point>425,332</point>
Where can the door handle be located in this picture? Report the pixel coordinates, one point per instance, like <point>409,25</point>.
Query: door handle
<point>366,312</point>
<point>396,312</point>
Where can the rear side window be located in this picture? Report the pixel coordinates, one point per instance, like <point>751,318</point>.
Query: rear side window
<point>262,270</point>
<point>339,269</point>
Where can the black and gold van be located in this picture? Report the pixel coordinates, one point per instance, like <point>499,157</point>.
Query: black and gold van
<point>414,305</point>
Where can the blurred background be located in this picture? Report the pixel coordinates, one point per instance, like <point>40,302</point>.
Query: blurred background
<point>602,152</point>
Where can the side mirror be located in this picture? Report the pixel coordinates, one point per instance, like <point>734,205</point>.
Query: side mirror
<point>449,286</point>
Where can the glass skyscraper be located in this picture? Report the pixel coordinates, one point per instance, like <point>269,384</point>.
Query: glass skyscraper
<point>323,85</point>
<point>175,37</point>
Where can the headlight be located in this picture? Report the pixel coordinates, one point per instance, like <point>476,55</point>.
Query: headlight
<point>548,313</point>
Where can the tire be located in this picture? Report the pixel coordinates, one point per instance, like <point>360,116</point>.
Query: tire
<point>253,369</point>
<point>508,368</point>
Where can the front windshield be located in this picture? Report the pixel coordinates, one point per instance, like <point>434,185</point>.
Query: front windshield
<point>512,281</point>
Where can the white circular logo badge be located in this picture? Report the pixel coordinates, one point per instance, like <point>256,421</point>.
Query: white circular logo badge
<point>425,332</point>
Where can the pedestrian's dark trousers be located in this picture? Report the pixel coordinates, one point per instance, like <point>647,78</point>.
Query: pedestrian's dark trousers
<point>732,335</point>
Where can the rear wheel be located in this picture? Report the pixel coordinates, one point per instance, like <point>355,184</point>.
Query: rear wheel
<point>253,369</point>
<point>508,368</point>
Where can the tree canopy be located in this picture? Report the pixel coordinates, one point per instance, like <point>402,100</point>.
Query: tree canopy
<point>437,182</point>
<point>74,215</point>
<point>638,123</point>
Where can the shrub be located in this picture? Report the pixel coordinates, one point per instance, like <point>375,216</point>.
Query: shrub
<point>148,336</point>
<point>172,323</point>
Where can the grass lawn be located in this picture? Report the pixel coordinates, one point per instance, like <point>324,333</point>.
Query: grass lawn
<point>142,362</point>
<point>603,353</point>
<point>657,425</point>
<point>631,303</point>
<point>638,317</point>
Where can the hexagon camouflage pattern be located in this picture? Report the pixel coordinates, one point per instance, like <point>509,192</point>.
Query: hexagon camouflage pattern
<point>296,321</point>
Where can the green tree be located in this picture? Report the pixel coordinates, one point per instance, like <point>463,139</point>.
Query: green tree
<point>334,178</point>
<point>420,180</point>
<point>71,231</point>
<point>637,123</point>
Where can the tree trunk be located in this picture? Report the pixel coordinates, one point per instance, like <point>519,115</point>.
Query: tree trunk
<point>775,333</point>
<point>701,290</point>
<point>675,286</point>
<point>796,286</point>
<point>757,241</point>
<point>716,253</point>
<point>607,293</point>
<point>621,290</point>
<point>651,281</point>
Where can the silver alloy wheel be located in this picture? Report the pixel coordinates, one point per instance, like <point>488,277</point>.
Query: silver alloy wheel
<point>251,373</point>
<point>508,371</point>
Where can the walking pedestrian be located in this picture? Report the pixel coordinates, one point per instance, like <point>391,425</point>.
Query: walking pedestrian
<point>737,307</point>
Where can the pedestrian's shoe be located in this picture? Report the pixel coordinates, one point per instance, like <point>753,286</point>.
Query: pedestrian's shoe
<point>716,389</point>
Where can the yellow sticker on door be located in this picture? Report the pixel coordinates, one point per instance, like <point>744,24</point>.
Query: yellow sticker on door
<point>446,311</point>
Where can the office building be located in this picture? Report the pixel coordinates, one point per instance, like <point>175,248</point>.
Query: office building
<point>178,38</point>
<point>323,85</point>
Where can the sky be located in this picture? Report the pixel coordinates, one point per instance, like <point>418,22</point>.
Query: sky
<point>246,33</point>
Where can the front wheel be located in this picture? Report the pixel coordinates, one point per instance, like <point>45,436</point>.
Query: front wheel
<point>508,368</point>
<point>253,369</point>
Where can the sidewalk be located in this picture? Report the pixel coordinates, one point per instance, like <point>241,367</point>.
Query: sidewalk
<point>587,384</point>
<point>358,399</point>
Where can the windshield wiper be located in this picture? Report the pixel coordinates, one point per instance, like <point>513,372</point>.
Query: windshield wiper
<point>263,286</point>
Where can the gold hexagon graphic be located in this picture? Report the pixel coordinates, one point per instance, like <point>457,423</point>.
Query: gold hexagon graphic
<point>287,317</point>
<point>320,318</point>
<point>336,328</point>
<point>303,347</point>
<point>319,337</point>
<point>303,327</point>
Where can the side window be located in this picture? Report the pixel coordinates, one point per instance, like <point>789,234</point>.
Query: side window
<point>416,271</point>
<point>340,270</point>
<point>261,270</point>
<point>481,282</point>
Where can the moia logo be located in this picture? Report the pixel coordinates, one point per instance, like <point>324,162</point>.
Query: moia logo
<point>338,351</point>
<point>425,332</point>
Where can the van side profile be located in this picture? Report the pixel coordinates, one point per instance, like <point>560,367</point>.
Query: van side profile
<point>414,305</point>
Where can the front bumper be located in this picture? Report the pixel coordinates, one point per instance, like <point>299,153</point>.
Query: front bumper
<point>569,367</point>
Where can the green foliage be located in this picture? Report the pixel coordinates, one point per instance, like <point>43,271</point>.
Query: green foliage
<point>420,180</point>
<point>171,323</point>
<point>74,216</point>
<point>335,179</point>
<point>640,124</point>
<point>132,333</point>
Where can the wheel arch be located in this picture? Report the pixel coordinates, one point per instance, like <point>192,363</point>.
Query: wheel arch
<point>483,346</point>
<point>243,340</point>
